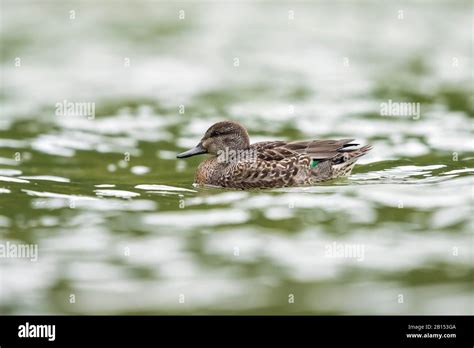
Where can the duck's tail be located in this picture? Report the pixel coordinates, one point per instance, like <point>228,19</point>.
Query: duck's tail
<point>354,154</point>
<point>343,164</point>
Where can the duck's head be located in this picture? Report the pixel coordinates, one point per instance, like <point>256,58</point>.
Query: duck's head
<point>224,135</point>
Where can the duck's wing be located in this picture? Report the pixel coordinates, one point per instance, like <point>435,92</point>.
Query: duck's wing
<point>321,149</point>
<point>273,151</point>
<point>315,149</point>
<point>272,165</point>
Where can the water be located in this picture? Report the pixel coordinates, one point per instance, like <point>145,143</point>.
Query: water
<point>121,230</point>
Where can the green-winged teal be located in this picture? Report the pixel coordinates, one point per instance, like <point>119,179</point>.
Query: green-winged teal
<point>269,164</point>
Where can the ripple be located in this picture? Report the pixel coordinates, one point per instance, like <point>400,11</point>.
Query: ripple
<point>148,187</point>
<point>46,178</point>
<point>401,174</point>
<point>116,193</point>
<point>417,197</point>
<point>56,195</point>
<point>13,143</point>
<point>9,172</point>
<point>459,171</point>
<point>198,218</point>
<point>4,221</point>
<point>95,205</point>
<point>9,161</point>
<point>54,145</point>
<point>167,155</point>
<point>218,198</point>
<point>143,127</point>
<point>6,178</point>
<point>140,170</point>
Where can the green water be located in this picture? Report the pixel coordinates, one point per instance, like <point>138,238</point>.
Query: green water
<point>120,228</point>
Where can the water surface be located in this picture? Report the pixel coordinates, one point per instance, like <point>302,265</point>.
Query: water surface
<point>120,228</point>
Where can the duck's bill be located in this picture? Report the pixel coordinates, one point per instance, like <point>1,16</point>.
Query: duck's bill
<point>199,149</point>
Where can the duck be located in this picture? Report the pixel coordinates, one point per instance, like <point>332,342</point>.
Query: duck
<point>235,163</point>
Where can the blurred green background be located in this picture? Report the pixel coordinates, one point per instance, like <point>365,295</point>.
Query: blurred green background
<point>119,225</point>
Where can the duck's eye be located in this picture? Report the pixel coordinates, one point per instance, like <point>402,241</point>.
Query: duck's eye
<point>215,134</point>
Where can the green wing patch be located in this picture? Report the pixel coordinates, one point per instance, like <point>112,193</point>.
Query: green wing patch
<point>313,163</point>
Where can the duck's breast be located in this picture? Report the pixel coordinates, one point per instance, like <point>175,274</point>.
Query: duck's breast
<point>205,172</point>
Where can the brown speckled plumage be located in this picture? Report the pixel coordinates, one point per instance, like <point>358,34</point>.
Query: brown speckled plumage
<point>270,164</point>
